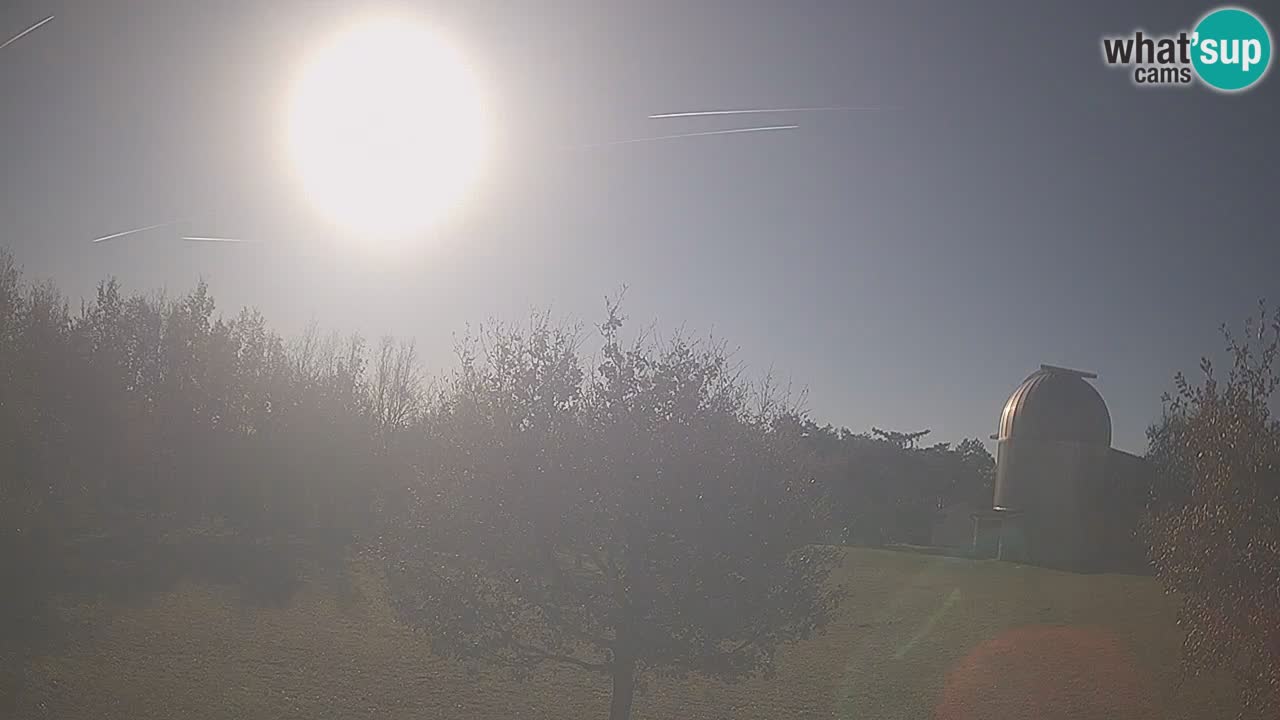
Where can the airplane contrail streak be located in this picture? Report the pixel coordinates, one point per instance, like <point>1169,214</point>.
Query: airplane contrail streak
<point>130,232</point>
<point>205,238</point>
<point>24,32</point>
<point>702,113</point>
<point>692,134</point>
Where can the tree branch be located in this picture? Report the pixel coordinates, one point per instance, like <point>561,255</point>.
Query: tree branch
<point>559,577</point>
<point>759,634</point>
<point>537,654</point>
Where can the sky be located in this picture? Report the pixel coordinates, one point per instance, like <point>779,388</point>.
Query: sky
<point>1013,201</point>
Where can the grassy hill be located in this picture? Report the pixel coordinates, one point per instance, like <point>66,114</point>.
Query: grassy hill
<point>921,636</point>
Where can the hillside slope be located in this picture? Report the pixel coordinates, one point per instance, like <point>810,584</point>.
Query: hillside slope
<point>921,636</point>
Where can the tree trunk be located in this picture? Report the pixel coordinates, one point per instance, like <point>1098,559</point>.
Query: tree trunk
<point>624,688</point>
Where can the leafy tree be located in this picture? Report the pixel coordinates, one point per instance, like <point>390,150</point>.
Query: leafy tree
<point>1214,527</point>
<point>884,488</point>
<point>627,519</point>
<point>967,473</point>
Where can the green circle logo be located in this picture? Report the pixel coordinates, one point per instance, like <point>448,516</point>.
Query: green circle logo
<point>1231,49</point>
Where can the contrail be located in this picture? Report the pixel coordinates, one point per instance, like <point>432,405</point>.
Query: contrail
<point>24,32</point>
<point>692,134</point>
<point>203,238</point>
<point>130,232</point>
<point>701,113</point>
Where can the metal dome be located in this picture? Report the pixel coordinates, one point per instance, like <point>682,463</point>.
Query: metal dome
<point>1056,404</point>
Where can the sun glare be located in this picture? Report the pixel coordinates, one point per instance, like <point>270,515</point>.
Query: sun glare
<point>386,130</point>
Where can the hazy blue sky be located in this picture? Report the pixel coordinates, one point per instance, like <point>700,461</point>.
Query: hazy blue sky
<point>1015,203</point>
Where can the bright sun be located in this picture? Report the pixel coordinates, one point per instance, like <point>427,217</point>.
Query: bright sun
<point>386,129</point>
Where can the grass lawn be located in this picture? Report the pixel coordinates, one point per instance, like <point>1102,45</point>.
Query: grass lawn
<point>921,636</point>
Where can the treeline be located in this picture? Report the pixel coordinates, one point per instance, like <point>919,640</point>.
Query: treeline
<point>888,489</point>
<point>647,510</point>
<point>144,440</point>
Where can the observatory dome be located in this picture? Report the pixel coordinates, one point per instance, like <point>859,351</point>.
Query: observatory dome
<point>1056,405</point>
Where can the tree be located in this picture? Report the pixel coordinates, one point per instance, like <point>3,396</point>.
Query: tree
<point>1214,525</point>
<point>900,440</point>
<point>884,488</point>
<point>395,394</point>
<point>628,519</point>
<point>967,473</point>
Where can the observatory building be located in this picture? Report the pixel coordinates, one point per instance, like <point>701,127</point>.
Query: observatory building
<point>1064,498</point>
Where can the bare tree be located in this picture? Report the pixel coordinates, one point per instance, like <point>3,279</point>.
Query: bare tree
<point>395,392</point>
